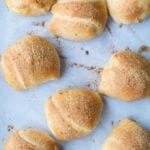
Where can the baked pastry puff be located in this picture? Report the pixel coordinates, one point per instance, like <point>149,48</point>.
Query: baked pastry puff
<point>128,135</point>
<point>29,62</point>
<point>73,113</point>
<point>78,19</point>
<point>129,11</point>
<point>30,7</point>
<point>30,139</point>
<point>126,77</point>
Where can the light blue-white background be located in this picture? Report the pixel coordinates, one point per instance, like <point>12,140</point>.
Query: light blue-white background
<point>25,109</point>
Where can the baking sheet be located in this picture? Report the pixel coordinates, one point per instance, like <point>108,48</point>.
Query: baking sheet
<point>80,61</point>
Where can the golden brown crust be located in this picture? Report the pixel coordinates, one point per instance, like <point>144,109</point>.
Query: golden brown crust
<point>29,62</point>
<point>72,113</point>
<point>78,20</point>
<point>30,139</point>
<point>129,11</point>
<point>128,135</point>
<point>57,124</point>
<point>30,7</point>
<point>126,77</point>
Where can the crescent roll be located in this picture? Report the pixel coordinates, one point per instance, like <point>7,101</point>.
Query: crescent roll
<point>128,135</point>
<point>30,7</point>
<point>129,11</point>
<point>126,77</point>
<point>78,19</point>
<point>30,139</point>
<point>29,62</point>
<point>73,113</point>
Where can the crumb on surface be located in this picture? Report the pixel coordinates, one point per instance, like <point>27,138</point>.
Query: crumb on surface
<point>97,70</point>
<point>88,85</point>
<point>89,68</point>
<point>120,25</point>
<point>93,84</point>
<point>30,32</point>
<point>109,29</point>
<point>128,48</point>
<point>62,56</point>
<point>58,41</point>
<point>114,51</point>
<point>112,48</point>
<point>81,48</point>
<point>112,122</point>
<point>10,128</point>
<point>40,24</point>
<point>143,48</point>
<point>87,52</point>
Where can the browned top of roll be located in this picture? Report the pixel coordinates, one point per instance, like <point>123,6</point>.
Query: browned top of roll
<point>129,11</point>
<point>126,76</point>
<point>80,104</point>
<point>72,113</point>
<point>81,9</point>
<point>29,62</point>
<point>30,139</point>
<point>128,135</point>
<point>78,20</point>
<point>30,7</point>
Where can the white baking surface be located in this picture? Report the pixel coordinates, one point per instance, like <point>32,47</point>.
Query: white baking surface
<point>26,109</point>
